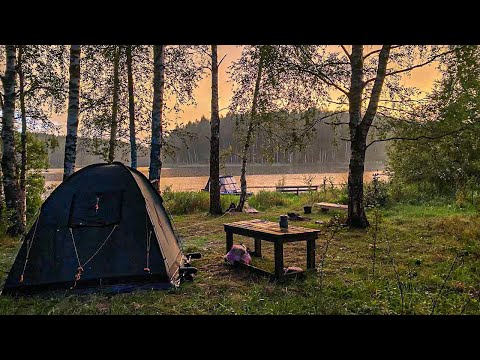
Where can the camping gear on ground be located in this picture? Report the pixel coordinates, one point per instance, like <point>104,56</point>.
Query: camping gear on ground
<point>105,225</point>
<point>238,253</point>
<point>292,269</point>
<point>297,217</point>
<point>228,186</point>
<point>283,221</point>
<point>307,209</point>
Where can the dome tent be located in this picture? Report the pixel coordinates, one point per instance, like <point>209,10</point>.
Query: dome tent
<point>105,225</point>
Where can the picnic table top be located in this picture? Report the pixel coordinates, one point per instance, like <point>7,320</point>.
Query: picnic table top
<point>270,228</point>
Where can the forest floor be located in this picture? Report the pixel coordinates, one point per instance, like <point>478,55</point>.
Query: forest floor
<point>426,258</point>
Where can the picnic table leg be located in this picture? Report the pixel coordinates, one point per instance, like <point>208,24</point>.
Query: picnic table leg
<point>229,240</point>
<point>278,250</point>
<point>311,254</point>
<point>258,248</point>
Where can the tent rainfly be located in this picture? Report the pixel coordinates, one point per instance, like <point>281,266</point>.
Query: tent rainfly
<point>104,226</point>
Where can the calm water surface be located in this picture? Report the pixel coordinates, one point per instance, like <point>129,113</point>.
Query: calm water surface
<point>194,178</point>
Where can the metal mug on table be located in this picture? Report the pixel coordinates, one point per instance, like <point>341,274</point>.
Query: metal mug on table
<point>283,221</point>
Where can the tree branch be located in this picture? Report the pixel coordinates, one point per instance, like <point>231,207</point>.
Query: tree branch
<point>321,118</point>
<point>418,137</point>
<point>377,87</point>
<point>345,50</point>
<point>323,78</point>
<point>319,74</point>
<point>223,58</point>
<point>410,68</point>
<point>205,52</point>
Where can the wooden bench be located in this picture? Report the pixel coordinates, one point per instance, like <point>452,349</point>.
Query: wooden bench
<point>330,206</point>
<point>296,189</point>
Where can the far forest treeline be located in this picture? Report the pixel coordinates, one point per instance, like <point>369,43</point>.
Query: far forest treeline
<point>326,147</point>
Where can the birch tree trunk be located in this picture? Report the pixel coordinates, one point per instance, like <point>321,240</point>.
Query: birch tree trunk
<point>10,183</point>
<point>73,111</point>
<point>113,124</point>
<point>359,127</point>
<point>131,109</point>
<point>23,139</point>
<point>215,204</point>
<point>251,125</point>
<point>356,211</point>
<point>157,113</point>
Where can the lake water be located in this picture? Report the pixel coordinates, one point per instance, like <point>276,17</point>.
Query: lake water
<point>194,178</point>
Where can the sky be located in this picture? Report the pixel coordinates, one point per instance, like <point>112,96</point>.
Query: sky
<point>422,78</point>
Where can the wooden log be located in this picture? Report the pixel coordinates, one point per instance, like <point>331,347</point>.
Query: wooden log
<point>330,206</point>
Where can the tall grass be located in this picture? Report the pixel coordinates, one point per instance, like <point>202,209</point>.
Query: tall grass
<point>189,202</point>
<point>265,200</point>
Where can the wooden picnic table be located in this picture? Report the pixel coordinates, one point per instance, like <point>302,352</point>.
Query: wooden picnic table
<point>271,231</point>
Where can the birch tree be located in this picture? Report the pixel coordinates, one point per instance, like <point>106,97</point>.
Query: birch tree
<point>268,104</point>
<point>116,84</point>
<point>131,108</point>
<point>215,204</point>
<point>177,70</point>
<point>10,182</point>
<point>41,91</point>
<point>157,113</point>
<point>73,112</point>
<point>366,83</point>
<point>23,138</point>
<point>251,126</point>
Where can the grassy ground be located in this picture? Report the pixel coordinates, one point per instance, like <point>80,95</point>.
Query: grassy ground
<point>424,255</point>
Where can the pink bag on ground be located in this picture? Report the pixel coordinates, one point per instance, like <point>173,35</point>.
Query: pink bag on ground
<point>238,253</point>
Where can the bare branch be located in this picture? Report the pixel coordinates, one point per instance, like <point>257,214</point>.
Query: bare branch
<point>205,52</point>
<point>410,68</point>
<point>345,51</point>
<point>223,58</point>
<point>321,118</point>
<point>377,87</point>
<point>418,137</point>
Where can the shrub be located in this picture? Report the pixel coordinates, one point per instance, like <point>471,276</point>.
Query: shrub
<point>376,193</point>
<point>266,199</point>
<point>186,202</point>
<point>189,202</point>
